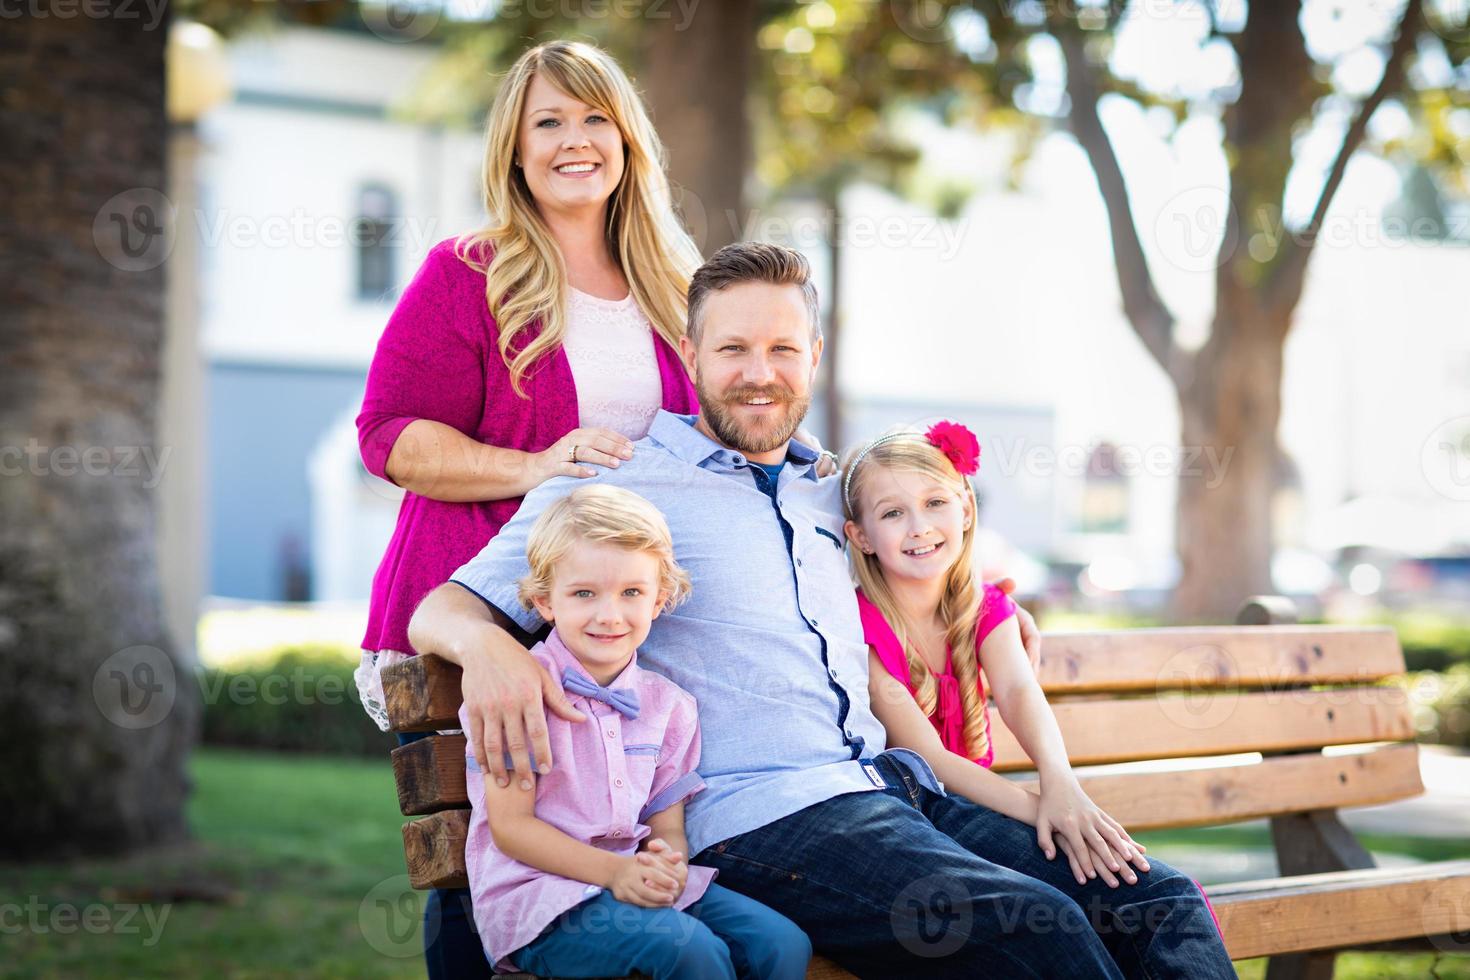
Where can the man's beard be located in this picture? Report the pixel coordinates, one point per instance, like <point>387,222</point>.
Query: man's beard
<point>762,436</point>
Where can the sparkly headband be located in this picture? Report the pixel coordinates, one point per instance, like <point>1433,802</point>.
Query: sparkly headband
<point>958,444</point>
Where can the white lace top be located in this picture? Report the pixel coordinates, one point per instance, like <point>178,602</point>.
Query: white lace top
<point>609,344</point>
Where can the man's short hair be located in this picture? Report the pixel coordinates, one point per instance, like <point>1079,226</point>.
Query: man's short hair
<point>751,262</point>
<point>608,515</point>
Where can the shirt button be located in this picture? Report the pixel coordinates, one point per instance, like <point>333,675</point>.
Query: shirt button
<point>617,782</point>
<point>832,673</point>
<point>798,563</point>
<point>616,833</point>
<point>612,733</point>
<point>815,623</point>
<point>847,732</point>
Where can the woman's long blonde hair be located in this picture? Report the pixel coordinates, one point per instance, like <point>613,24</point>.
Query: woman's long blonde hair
<point>526,276</point>
<point>959,604</point>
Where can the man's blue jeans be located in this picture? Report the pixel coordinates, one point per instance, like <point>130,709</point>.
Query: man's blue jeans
<point>905,882</point>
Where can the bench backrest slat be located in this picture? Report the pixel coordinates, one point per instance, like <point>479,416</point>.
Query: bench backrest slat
<point>1116,661</point>
<point>1224,656</point>
<point>431,779</point>
<point>1184,725</point>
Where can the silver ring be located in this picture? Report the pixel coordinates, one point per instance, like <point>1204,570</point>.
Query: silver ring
<point>574,453</point>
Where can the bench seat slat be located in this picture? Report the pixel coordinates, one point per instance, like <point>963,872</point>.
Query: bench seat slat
<point>1216,656</point>
<point>1342,909</point>
<point>1129,730</point>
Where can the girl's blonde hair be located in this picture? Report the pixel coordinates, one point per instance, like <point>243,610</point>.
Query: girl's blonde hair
<point>608,515</point>
<point>526,276</point>
<point>908,450</point>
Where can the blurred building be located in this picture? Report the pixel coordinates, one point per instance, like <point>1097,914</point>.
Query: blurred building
<point>317,205</point>
<point>1007,318</point>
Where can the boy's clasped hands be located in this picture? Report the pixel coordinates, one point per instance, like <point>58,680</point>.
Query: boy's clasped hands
<point>653,878</point>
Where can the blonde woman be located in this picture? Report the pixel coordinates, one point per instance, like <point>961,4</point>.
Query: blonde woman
<point>541,344</point>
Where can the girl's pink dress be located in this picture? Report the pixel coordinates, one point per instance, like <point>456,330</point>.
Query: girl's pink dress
<point>949,712</point>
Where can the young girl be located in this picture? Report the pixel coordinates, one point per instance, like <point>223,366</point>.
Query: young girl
<point>559,883</point>
<point>935,636</point>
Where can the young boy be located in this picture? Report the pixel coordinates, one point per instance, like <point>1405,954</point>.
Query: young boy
<point>558,886</point>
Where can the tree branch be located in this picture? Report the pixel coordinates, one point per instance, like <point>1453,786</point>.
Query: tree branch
<point>1146,312</point>
<point>1290,275</point>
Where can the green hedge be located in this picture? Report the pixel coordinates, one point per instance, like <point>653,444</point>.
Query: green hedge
<point>302,700</point>
<point>1442,705</point>
<point>1432,641</point>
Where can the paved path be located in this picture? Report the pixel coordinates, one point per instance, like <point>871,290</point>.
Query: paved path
<point>1443,810</point>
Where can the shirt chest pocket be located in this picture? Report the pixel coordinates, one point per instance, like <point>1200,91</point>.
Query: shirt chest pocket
<point>640,758</point>
<point>827,592</point>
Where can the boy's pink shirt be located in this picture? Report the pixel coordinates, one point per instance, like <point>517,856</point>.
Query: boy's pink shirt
<point>995,608</point>
<point>610,774</point>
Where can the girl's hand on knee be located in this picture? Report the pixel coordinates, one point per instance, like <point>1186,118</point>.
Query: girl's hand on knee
<point>640,884</point>
<point>1099,844</point>
<point>1065,846</point>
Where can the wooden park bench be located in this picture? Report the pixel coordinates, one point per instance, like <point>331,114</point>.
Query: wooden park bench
<point>1185,698</point>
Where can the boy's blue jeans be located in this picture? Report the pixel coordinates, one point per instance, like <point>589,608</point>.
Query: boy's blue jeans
<point>723,935</point>
<point>906,882</point>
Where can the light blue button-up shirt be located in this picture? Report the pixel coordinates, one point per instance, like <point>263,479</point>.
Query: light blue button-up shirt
<point>769,643</point>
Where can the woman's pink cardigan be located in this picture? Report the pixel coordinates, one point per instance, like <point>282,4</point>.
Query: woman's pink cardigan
<point>438,360</point>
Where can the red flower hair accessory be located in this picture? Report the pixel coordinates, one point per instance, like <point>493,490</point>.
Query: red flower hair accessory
<point>958,444</point>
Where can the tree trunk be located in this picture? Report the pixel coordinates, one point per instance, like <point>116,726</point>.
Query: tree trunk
<point>1228,467</point>
<point>98,714</point>
<point>697,78</point>
<point>832,201</point>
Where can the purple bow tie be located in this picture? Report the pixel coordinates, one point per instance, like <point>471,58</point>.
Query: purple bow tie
<point>623,699</point>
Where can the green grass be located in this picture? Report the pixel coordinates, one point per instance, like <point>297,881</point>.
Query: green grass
<point>300,859</point>
<point>297,870</point>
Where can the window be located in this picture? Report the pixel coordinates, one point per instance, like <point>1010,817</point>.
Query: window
<point>375,237</point>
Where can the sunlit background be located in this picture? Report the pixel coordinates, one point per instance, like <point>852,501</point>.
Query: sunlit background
<point>978,258</point>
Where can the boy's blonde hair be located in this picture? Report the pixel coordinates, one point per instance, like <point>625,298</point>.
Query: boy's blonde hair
<point>608,515</point>
<point>904,448</point>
